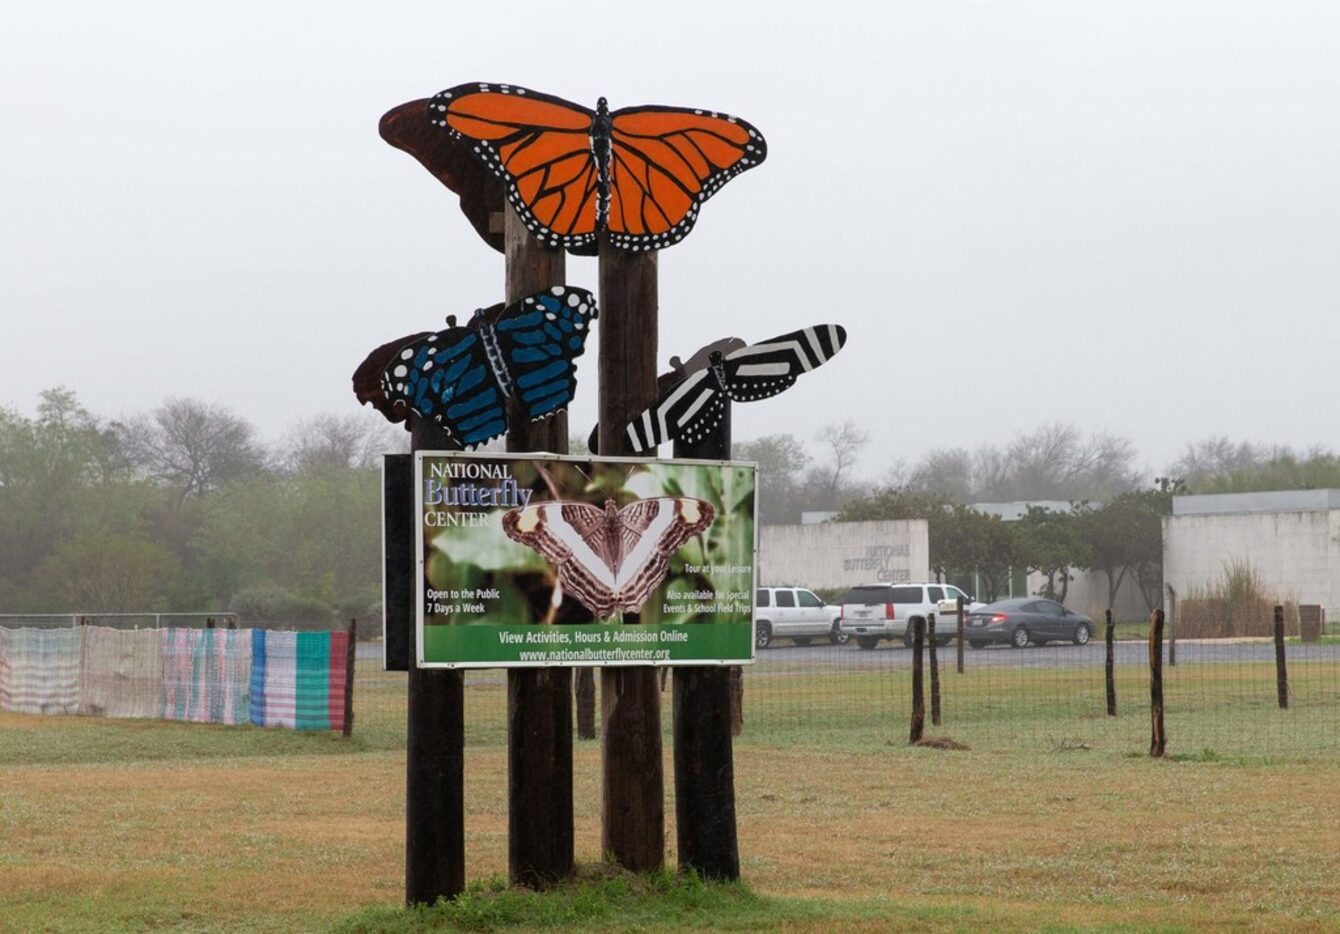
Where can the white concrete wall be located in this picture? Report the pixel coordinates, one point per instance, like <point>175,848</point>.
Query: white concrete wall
<point>1295,553</point>
<point>843,554</point>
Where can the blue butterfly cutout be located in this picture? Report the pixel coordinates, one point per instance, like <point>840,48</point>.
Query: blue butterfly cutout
<point>463,377</point>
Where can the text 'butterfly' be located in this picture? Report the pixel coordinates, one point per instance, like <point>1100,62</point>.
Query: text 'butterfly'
<point>609,559</point>
<point>693,407</point>
<point>639,173</point>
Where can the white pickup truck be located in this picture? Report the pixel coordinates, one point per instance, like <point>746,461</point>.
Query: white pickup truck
<point>871,612</point>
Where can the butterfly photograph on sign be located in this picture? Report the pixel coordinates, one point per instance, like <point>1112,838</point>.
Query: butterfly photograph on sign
<point>555,551</point>
<point>462,377</point>
<point>692,406</point>
<point>639,174</point>
<point>610,558</point>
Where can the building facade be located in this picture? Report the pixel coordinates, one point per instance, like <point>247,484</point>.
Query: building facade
<point>1290,539</point>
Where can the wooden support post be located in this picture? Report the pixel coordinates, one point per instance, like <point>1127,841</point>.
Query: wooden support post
<point>586,703</point>
<point>962,608</point>
<point>935,670</point>
<point>350,656</point>
<point>633,805</point>
<point>1281,668</point>
<point>736,700</point>
<point>434,763</point>
<point>1109,670</point>
<point>539,701</point>
<point>704,760</point>
<point>1158,739</point>
<point>918,694</point>
<point>1172,627</point>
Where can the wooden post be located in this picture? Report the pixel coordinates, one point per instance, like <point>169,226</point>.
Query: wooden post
<point>704,761</point>
<point>350,656</point>
<point>1281,669</point>
<point>1172,627</point>
<point>1158,740</point>
<point>1108,668</point>
<point>918,694</point>
<point>962,606</point>
<point>633,805</point>
<point>935,670</point>
<point>586,703</point>
<point>434,762</point>
<point>736,700</point>
<point>539,700</point>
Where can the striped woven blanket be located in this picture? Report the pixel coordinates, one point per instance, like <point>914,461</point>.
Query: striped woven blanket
<point>43,670</point>
<point>289,679</point>
<point>206,675</point>
<point>298,679</point>
<point>121,673</point>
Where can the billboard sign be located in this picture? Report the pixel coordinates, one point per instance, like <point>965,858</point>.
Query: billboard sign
<point>531,560</point>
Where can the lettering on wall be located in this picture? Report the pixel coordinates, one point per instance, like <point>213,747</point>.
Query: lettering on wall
<point>880,562</point>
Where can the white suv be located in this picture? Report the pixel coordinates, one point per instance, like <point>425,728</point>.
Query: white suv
<point>794,613</point>
<point>871,612</point>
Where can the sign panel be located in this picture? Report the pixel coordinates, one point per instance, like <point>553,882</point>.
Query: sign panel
<point>535,560</point>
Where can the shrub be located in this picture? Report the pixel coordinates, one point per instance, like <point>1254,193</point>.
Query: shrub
<point>274,607</point>
<point>1238,604</point>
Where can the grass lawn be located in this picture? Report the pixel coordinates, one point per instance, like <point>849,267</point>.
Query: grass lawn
<point>1053,820</point>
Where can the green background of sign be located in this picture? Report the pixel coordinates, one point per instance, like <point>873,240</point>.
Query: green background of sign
<point>478,557</point>
<point>477,645</point>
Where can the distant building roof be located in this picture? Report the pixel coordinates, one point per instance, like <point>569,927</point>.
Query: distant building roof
<point>1269,501</point>
<point>1011,512</point>
<point>817,517</point>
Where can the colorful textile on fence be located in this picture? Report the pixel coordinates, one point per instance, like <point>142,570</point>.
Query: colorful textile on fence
<point>298,679</point>
<point>5,700</point>
<point>121,673</point>
<point>43,670</point>
<point>206,675</point>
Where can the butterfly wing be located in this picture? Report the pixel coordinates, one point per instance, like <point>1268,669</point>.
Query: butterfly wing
<point>539,145</point>
<point>664,163</point>
<point>446,377</point>
<point>539,338</point>
<point>653,530</point>
<point>765,369</point>
<point>573,537</point>
<point>603,574</point>
<point>689,410</point>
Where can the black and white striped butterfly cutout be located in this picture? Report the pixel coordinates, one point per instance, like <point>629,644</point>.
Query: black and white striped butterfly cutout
<point>694,407</point>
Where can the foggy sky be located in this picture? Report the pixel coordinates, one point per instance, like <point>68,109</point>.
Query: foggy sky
<point>1121,215</point>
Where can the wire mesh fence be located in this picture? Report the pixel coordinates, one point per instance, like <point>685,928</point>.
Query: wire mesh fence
<point>1221,697</point>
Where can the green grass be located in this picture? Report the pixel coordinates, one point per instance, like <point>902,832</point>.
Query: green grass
<point>1054,819</point>
<point>605,898</point>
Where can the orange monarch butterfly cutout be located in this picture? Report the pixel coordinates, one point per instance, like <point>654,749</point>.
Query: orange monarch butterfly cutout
<point>639,173</point>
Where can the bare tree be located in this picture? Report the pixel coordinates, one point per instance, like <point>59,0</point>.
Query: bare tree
<point>193,446</point>
<point>330,440</point>
<point>845,443</point>
<point>781,462</point>
<point>947,471</point>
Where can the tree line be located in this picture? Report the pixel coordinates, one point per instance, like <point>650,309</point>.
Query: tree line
<point>1119,538</point>
<point>184,508</point>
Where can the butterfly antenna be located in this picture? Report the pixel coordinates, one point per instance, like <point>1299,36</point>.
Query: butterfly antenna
<point>451,321</point>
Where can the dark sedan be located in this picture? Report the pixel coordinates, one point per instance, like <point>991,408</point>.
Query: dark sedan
<point>1026,621</point>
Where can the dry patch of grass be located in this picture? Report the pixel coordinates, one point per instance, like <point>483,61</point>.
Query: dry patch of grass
<point>108,825</point>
